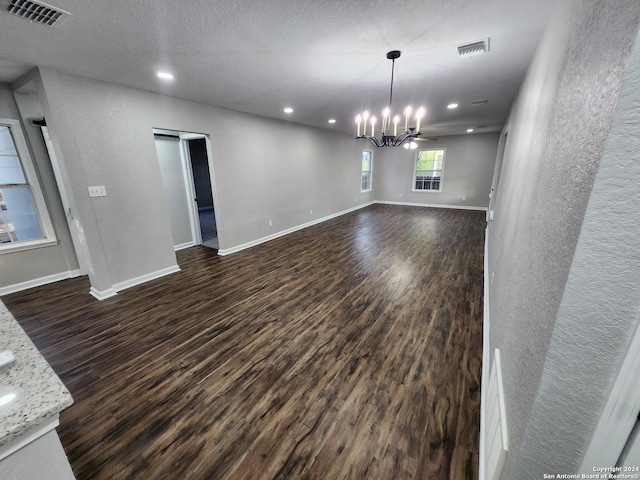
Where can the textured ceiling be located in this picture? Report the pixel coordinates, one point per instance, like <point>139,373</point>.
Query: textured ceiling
<point>324,58</point>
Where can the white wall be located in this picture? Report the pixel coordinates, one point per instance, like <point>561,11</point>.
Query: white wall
<point>264,169</point>
<point>558,130</point>
<point>468,170</point>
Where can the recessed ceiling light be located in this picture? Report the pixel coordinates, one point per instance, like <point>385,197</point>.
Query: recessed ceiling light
<point>469,130</point>
<point>452,105</point>
<point>7,398</point>
<point>288,110</point>
<point>332,120</point>
<point>165,75</point>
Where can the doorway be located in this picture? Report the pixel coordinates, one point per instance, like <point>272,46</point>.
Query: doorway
<point>188,180</point>
<point>201,174</point>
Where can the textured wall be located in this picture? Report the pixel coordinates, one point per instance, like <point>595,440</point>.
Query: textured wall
<point>467,176</point>
<point>557,133</point>
<point>601,302</point>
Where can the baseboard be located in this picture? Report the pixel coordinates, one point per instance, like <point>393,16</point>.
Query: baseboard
<point>102,294</point>
<point>37,282</point>
<point>117,287</point>
<point>182,246</point>
<point>485,363</point>
<point>432,205</point>
<point>244,246</point>
<point>253,243</point>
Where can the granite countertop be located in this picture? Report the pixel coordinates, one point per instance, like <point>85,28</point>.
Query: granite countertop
<point>41,394</point>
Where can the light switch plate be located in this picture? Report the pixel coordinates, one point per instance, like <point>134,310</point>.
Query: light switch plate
<point>97,191</point>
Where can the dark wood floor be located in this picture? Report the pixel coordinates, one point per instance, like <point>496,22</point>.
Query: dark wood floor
<point>348,350</point>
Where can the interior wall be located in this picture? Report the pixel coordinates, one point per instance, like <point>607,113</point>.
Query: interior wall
<point>29,265</point>
<point>466,181</point>
<point>173,181</point>
<point>558,128</point>
<point>265,170</point>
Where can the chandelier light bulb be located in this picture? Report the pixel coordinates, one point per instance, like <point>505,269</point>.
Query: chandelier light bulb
<point>385,119</point>
<point>407,114</point>
<point>419,115</point>
<point>386,139</point>
<point>365,117</point>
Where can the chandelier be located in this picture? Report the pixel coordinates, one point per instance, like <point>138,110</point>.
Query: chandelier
<point>389,136</point>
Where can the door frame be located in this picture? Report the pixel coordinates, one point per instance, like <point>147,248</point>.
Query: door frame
<point>78,245</point>
<point>191,187</point>
<point>619,415</point>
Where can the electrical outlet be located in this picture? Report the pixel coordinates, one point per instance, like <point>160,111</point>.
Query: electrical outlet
<point>97,191</point>
<point>310,212</point>
<point>400,195</point>
<point>270,223</point>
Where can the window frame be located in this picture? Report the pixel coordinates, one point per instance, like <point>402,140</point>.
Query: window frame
<point>415,170</point>
<point>370,171</point>
<point>32,182</point>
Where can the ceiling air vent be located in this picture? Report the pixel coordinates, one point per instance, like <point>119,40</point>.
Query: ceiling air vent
<point>36,12</point>
<point>480,101</point>
<point>475,48</point>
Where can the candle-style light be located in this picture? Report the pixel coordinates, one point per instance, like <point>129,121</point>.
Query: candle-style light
<point>385,119</point>
<point>419,115</point>
<point>407,113</point>
<point>386,139</point>
<point>365,116</point>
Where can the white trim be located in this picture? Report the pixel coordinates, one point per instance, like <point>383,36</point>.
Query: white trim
<point>33,184</point>
<point>370,172</point>
<point>433,205</point>
<point>253,243</point>
<point>21,246</point>
<point>619,415</point>
<point>80,247</point>
<point>29,436</point>
<point>102,294</point>
<point>485,362</point>
<point>117,287</point>
<point>37,282</point>
<point>190,189</point>
<point>415,170</point>
<point>182,246</point>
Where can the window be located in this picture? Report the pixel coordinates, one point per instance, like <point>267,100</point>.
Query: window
<point>367,157</point>
<point>24,221</point>
<point>428,171</point>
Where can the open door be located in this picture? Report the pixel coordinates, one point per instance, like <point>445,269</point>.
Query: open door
<point>202,187</point>
<point>71,221</point>
<point>187,176</point>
